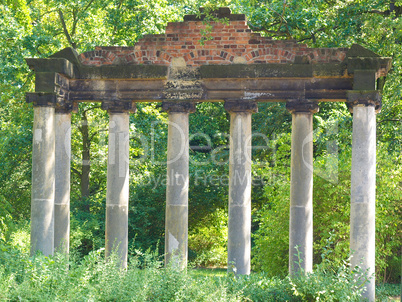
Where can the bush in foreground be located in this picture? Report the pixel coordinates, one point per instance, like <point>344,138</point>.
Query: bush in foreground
<point>91,278</point>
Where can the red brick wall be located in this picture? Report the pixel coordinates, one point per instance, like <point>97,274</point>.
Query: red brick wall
<point>228,43</point>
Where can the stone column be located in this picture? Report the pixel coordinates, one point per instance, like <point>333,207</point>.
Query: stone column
<point>176,224</point>
<point>43,175</point>
<point>118,180</point>
<point>362,208</point>
<point>62,179</point>
<point>301,187</point>
<point>239,224</point>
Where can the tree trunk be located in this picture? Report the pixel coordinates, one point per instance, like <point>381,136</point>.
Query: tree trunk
<point>86,161</point>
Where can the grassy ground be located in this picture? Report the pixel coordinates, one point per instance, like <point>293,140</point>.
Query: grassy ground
<point>91,278</point>
<point>208,272</point>
<point>384,292</point>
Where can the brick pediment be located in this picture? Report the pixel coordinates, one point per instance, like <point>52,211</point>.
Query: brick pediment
<point>212,43</point>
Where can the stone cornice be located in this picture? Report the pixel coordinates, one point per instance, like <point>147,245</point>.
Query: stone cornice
<point>172,106</point>
<point>56,65</point>
<point>302,106</point>
<point>241,106</point>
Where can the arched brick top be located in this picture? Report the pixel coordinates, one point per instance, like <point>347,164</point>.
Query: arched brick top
<point>98,57</point>
<point>206,56</point>
<point>227,43</point>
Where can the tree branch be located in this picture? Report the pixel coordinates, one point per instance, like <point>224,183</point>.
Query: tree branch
<point>76,171</point>
<point>88,5</point>
<point>277,33</point>
<point>90,108</point>
<point>76,16</point>
<point>75,21</point>
<point>392,8</point>
<point>30,75</point>
<point>63,23</point>
<point>95,133</point>
<point>44,14</point>
<point>390,120</point>
<point>308,38</point>
<point>375,11</point>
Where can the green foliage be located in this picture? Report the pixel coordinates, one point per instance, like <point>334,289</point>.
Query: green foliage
<point>148,176</point>
<point>262,288</point>
<point>91,277</point>
<point>385,290</point>
<point>388,213</point>
<point>330,281</point>
<point>208,240</point>
<point>272,237</point>
<point>323,285</point>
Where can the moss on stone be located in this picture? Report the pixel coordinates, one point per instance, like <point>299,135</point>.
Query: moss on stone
<point>134,71</point>
<point>329,70</point>
<point>256,71</point>
<point>59,65</point>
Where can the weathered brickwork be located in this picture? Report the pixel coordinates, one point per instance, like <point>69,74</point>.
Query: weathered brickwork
<point>231,42</point>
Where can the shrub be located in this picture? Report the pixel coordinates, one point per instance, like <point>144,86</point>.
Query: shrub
<point>92,278</point>
<point>208,240</point>
<point>385,290</point>
<point>326,284</point>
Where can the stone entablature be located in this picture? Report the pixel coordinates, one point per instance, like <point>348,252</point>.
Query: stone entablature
<point>228,42</point>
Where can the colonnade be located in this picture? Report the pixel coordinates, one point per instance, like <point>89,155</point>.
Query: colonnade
<point>51,182</point>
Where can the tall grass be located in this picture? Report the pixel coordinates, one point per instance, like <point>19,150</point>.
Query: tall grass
<point>91,278</point>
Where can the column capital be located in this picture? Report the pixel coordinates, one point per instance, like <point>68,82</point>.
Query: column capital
<point>64,107</point>
<point>171,106</point>
<point>364,99</point>
<point>241,106</point>
<point>42,99</point>
<point>117,106</point>
<point>302,106</point>
<point>51,99</point>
